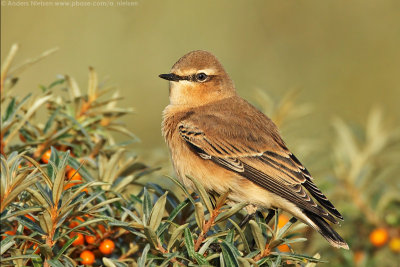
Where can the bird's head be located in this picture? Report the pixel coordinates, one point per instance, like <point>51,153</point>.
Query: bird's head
<point>198,78</point>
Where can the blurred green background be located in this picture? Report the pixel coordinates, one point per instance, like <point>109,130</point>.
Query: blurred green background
<point>343,56</point>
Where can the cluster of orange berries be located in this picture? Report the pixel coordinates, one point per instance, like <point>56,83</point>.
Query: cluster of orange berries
<point>106,246</point>
<point>71,174</point>
<point>26,232</point>
<point>380,236</point>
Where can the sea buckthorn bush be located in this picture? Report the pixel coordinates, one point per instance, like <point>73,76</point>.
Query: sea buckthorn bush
<point>72,194</point>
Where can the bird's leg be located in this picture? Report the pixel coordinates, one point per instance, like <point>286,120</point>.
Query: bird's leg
<point>213,198</point>
<point>270,215</point>
<point>246,219</point>
<point>251,211</point>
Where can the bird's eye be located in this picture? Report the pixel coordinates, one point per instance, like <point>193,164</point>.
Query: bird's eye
<point>201,77</point>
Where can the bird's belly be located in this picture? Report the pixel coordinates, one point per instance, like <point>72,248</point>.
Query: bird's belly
<point>215,178</point>
<point>212,177</point>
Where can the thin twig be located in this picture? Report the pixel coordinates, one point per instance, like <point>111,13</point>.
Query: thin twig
<point>207,226</point>
<point>263,253</point>
<point>164,251</point>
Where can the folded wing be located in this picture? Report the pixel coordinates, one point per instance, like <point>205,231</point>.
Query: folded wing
<point>258,154</point>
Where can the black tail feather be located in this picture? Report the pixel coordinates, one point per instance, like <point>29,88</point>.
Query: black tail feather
<point>326,230</point>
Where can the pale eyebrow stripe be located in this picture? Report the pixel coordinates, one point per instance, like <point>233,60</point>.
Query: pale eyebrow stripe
<point>190,72</point>
<point>207,71</point>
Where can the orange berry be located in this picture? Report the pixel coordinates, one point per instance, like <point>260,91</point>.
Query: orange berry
<point>22,138</point>
<point>36,247</point>
<point>282,220</point>
<point>74,223</point>
<point>46,156</point>
<point>107,246</point>
<point>90,239</point>
<point>378,237</point>
<point>101,228</point>
<point>30,217</point>
<point>72,173</point>
<point>79,241</point>
<point>284,248</point>
<point>8,233</point>
<point>71,177</point>
<point>87,257</point>
<point>394,244</point>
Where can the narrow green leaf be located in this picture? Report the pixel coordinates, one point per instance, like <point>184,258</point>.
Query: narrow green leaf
<point>45,221</point>
<point>58,185</point>
<point>6,243</point>
<point>243,262</point>
<point>199,214</point>
<point>31,110</point>
<point>257,234</point>
<point>229,255</point>
<point>167,261</point>
<point>132,215</point>
<point>285,228</point>
<point>201,260</point>
<point>151,236</point>
<point>30,224</point>
<point>202,192</point>
<point>104,203</point>
<point>108,262</point>
<point>221,260</point>
<point>313,264</point>
<point>56,82</point>
<point>205,246</point>
<point>158,212</point>
<point>51,120</point>
<point>180,185</point>
<point>9,109</point>
<point>242,236</point>
<point>66,245</point>
<point>146,206</point>
<point>229,237</point>
<point>175,235</point>
<point>32,256</point>
<point>189,242</point>
<point>233,210</point>
<point>37,262</point>
<point>172,216</point>
<point>142,259</point>
<point>55,263</point>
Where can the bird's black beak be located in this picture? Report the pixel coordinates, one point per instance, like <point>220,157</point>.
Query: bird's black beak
<point>170,77</point>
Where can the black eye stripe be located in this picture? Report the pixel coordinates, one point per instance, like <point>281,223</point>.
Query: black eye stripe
<point>192,78</point>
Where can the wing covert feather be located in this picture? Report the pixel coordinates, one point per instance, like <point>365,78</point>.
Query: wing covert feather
<point>256,151</point>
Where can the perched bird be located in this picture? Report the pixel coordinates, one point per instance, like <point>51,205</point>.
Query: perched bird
<point>226,144</point>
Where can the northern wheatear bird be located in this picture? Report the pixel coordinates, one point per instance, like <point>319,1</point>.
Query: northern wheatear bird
<point>226,144</point>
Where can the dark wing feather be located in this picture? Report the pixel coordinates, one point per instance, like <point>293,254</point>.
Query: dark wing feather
<point>278,171</point>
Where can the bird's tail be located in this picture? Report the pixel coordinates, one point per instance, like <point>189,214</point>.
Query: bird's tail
<point>320,225</point>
